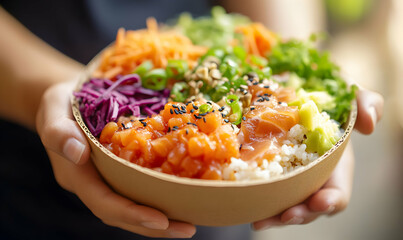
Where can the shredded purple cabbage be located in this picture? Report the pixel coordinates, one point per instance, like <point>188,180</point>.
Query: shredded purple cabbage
<point>102,101</point>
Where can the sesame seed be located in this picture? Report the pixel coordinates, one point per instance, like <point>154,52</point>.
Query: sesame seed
<point>267,98</point>
<point>266,94</point>
<point>197,117</point>
<point>183,108</point>
<point>187,131</point>
<point>170,110</point>
<point>266,86</point>
<point>144,124</point>
<point>223,115</point>
<point>255,83</point>
<point>169,129</point>
<point>173,105</point>
<point>221,109</point>
<point>202,114</point>
<point>252,108</point>
<point>226,120</point>
<point>244,118</point>
<point>204,119</point>
<point>192,110</point>
<point>176,111</point>
<point>131,120</point>
<point>209,103</point>
<point>240,146</point>
<point>124,126</point>
<point>195,107</point>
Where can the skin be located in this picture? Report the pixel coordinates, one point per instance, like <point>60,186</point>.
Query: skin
<point>35,87</point>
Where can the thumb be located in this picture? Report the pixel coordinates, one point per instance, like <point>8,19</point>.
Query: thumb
<point>56,126</point>
<point>370,108</point>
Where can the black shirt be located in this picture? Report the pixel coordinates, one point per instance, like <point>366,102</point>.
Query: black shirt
<point>32,204</point>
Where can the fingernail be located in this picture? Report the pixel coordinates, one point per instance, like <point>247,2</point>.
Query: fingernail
<point>372,113</point>
<point>179,234</point>
<point>330,209</point>
<point>73,150</point>
<point>153,225</point>
<point>295,221</point>
<point>262,228</point>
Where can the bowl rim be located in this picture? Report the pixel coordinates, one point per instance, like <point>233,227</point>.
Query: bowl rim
<point>84,77</point>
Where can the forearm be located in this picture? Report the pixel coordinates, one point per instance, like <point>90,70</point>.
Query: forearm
<point>28,66</point>
<point>290,18</point>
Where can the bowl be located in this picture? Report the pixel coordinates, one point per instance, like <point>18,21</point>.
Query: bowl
<point>210,202</point>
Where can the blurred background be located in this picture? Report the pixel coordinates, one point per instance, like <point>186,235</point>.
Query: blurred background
<point>365,39</point>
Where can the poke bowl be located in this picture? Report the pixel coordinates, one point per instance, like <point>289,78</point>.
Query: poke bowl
<point>221,154</point>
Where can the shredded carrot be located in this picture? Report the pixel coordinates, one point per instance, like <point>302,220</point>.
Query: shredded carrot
<point>135,47</point>
<point>258,40</point>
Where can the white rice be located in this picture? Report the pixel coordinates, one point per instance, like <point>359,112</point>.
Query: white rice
<point>293,155</point>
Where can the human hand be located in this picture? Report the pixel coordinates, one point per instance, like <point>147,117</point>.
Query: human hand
<point>64,141</point>
<point>334,196</point>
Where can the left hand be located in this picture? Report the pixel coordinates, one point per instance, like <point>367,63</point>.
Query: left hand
<point>334,196</point>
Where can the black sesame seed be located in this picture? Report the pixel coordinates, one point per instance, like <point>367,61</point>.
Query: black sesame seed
<point>244,118</point>
<point>245,92</point>
<point>144,124</point>
<point>226,120</point>
<point>267,98</point>
<point>266,86</point>
<point>252,108</point>
<point>280,102</point>
<point>124,126</point>
<point>187,131</point>
<point>223,115</point>
<point>202,114</point>
<point>192,110</point>
<point>176,111</point>
<point>131,120</point>
<point>232,127</point>
<point>183,108</point>
<point>173,105</point>
<point>170,110</point>
<point>255,83</point>
<point>221,109</point>
<point>209,103</point>
<point>240,146</point>
<point>197,117</point>
<point>204,119</point>
<point>266,94</point>
<point>213,110</point>
<point>169,129</point>
<point>195,107</point>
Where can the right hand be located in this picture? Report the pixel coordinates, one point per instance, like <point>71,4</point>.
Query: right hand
<point>69,154</point>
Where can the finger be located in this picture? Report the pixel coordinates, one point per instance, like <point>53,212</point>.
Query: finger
<point>335,194</point>
<point>175,230</point>
<point>370,108</point>
<point>56,127</point>
<point>267,223</point>
<point>109,206</point>
<point>299,214</point>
